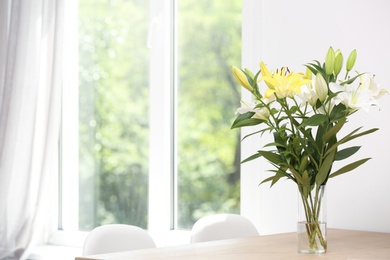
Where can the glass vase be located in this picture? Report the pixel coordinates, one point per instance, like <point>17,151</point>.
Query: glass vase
<point>311,228</point>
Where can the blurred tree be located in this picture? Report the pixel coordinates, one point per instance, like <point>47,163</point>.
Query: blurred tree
<point>114,80</point>
<point>209,42</point>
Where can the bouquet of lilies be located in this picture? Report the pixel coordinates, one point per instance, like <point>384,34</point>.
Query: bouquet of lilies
<point>305,113</point>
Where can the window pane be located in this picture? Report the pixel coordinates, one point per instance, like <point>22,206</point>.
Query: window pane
<point>113,120</point>
<point>208,43</point>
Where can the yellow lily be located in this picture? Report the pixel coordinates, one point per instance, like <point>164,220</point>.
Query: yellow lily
<point>309,74</point>
<point>265,72</point>
<point>283,83</point>
<point>241,78</point>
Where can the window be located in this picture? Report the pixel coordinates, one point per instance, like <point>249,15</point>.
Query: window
<point>146,138</point>
<point>114,112</point>
<point>208,42</point>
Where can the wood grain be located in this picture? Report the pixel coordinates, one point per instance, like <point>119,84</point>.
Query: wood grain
<point>342,244</point>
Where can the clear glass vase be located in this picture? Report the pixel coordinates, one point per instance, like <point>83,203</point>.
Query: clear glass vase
<point>311,226</point>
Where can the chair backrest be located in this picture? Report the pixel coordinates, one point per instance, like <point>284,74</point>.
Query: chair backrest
<point>222,226</point>
<point>116,238</point>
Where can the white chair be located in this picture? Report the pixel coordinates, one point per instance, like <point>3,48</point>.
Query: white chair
<point>116,238</point>
<point>222,226</point>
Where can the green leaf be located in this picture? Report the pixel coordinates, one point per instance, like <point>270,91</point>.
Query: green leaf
<point>252,157</point>
<point>281,174</point>
<point>338,112</point>
<point>349,167</point>
<point>334,130</point>
<point>312,69</point>
<point>350,137</point>
<point>275,144</point>
<point>305,179</point>
<point>315,120</point>
<point>318,141</point>
<point>323,172</point>
<point>272,157</point>
<point>248,135</point>
<point>274,179</point>
<point>347,152</point>
<point>260,131</point>
<point>304,162</point>
<point>246,120</point>
<point>298,177</point>
<point>316,68</point>
<point>361,134</point>
<point>293,109</point>
<point>312,143</point>
<point>351,80</point>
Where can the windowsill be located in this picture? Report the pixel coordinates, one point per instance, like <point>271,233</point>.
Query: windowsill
<point>64,252</point>
<point>46,252</point>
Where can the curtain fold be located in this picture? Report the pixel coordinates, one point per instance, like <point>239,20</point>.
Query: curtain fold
<point>30,87</point>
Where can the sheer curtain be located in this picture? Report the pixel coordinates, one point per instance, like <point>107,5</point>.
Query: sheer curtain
<point>30,76</point>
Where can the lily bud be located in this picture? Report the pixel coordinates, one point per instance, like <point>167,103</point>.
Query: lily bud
<point>338,63</point>
<point>241,78</point>
<point>249,73</point>
<point>321,87</point>
<point>329,61</point>
<point>351,60</point>
<point>309,73</point>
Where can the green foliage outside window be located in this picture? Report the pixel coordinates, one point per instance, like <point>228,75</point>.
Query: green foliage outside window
<point>209,41</point>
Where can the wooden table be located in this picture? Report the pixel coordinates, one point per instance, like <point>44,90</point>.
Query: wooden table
<point>342,244</point>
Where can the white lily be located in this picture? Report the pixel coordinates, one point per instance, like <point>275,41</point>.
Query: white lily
<point>317,90</point>
<point>362,96</point>
<point>308,94</point>
<point>260,113</point>
<point>353,97</point>
<point>367,82</point>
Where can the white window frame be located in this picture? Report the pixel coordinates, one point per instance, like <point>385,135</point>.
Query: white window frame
<point>161,139</point>
<point>251,50</point>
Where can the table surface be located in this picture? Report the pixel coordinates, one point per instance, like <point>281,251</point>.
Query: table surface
<point>342,244</point>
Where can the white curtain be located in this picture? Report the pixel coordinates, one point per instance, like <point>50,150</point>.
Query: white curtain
<point>30,76</point>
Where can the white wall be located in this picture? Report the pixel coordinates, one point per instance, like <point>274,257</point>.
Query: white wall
<point>291,33</point>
